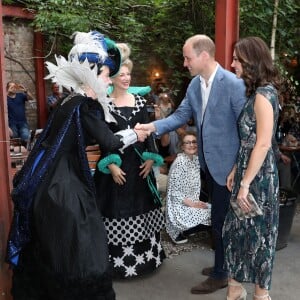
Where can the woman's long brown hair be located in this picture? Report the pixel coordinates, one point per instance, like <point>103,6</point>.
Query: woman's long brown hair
<point>258,67</point>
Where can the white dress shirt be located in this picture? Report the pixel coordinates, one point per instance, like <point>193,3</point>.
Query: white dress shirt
<point>205,89</point>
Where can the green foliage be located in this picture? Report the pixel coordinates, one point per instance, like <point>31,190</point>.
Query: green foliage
<point>153,28</point>
<point>256,18</point>
<point>158,28</point>
<point>172,24</point>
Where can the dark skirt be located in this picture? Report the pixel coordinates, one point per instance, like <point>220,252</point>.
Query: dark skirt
<point>67,257</point>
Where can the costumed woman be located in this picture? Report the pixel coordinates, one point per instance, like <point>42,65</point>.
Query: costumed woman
<point>126,187</point>
<point>250,231</point>
<point>184,209</point>
<point>58,244</point>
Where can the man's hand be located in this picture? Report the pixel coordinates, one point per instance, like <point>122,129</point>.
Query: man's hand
<point>148,128</point>
<point>141,134</point>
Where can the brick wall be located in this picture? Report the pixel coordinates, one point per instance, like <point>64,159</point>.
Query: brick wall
<point>19,62</point>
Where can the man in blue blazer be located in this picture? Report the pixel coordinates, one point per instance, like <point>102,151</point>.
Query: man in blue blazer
<point>214,98</point>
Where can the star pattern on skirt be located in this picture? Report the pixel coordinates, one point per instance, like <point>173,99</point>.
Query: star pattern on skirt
<point>139,258</point>
<point>130,271</point>
<point>128,250</point>
<point>118,261</point>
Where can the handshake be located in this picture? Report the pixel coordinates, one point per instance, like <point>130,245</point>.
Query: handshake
<point>143,130</point>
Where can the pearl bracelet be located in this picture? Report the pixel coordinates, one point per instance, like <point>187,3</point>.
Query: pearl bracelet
<point>244,185</point>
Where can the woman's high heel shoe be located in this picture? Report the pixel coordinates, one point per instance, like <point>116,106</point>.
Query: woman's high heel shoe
<point>262,297</point>
<point>242,296</point>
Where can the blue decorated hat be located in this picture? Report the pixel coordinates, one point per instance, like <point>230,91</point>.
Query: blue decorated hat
<point>96,49</point>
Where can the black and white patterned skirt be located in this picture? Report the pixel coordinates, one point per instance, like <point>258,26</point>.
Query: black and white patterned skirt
<point>134,243</point>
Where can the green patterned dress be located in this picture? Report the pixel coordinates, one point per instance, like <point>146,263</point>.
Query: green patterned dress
<point>249,245</point>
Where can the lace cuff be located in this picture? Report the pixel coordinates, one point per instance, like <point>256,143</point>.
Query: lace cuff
<point>128,137</point>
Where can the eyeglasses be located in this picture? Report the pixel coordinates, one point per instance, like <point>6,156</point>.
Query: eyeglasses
<point>190,142</point>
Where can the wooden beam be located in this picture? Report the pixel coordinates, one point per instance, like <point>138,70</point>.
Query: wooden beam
<point>226,30</point>
<point>16,12</point>
<point>38,52</point>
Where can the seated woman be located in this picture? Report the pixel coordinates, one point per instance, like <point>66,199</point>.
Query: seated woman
<point>184,210</point>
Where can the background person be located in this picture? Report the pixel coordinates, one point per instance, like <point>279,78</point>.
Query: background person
<point>214,98</point>
<point>157,88</point>
<point>17,95</point>
<point>250,243</point>
<point>184,209</point>
<point>132,214</point>
<point>171,139</point>
<point>284,169</point>
<point>162,109</point>
<point>165,106</point>
<point>55,97</point>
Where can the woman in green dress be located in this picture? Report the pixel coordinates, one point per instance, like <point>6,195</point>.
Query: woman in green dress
<point>249,243</point>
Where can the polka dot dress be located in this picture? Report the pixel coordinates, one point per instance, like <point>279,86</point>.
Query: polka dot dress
<point>184,182</point>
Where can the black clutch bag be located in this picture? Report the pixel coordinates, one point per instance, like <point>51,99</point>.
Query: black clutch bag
<point>255,209</point>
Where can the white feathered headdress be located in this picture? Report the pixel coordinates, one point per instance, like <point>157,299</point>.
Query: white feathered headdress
<point>77,75</point>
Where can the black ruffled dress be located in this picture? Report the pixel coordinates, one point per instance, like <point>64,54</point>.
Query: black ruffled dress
<point>57,242</point>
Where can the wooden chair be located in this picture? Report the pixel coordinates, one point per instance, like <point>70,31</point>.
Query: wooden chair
<point>93,154</point>
<point>18,154</point>
<point>15,146</point>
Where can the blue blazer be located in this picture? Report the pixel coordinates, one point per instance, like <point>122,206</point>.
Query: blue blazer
<point>218,139</point>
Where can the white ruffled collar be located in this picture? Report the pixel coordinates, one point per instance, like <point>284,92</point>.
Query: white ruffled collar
<point>76,76</point>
